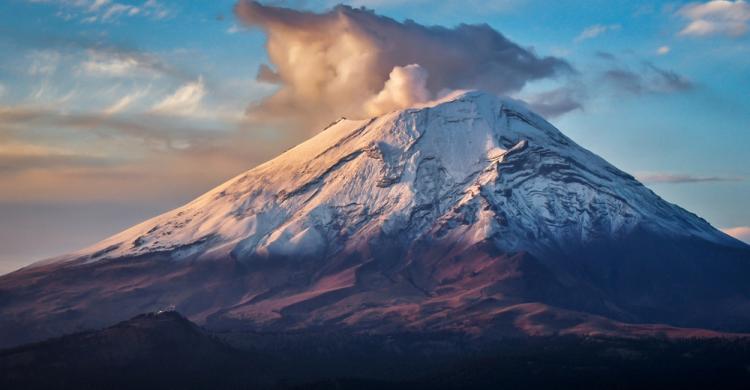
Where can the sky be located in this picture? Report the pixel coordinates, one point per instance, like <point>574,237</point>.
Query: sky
<point>114,111</point>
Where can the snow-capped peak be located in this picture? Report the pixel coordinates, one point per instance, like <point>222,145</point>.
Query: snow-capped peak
<point>470,167</point>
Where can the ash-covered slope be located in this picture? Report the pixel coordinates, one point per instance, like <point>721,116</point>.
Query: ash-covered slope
<point>469,214</point>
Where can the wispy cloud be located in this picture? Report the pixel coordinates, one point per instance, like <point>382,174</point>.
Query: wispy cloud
<point>116,62</point>
<point>16,157</point>
<point>100,64</point>
<point>154,131</point>
<point>717,17</point>
<point>558,101</point>
<point>665,80</point>
<point>234,29</point>
<point>594,31</point>
<point>663,50</point>
<point>46,53</point>
<point>125,101</point>
<point>676,178</point>
<point>88,157</point>
<point>651,79</point>
<point>98,11</point>
<point>185,100</point>
<point>43,62</point>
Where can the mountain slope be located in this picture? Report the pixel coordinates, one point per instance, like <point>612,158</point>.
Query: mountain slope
<point>155,350</point>
<point>410,172</point>
<point>164,350</point>
<point>470,214</point>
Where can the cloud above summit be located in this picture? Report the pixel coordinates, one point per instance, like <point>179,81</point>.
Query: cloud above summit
<point>354,62</point>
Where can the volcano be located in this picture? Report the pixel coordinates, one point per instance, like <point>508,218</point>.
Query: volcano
<point>470,214</point>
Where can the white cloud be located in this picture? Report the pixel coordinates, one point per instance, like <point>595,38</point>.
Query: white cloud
<point>113,66</point>
<point>740,232</point>
<point>406,86</point>
<point>97,4</point>
<point>234,29</point>
<point>124,64</point>
<point>92,11</point>
<point>717,17</point>
<point>156,10</point>
<point>663,50</point>
<point>125,101</point>
<point>596,30</point>
<point>332,64</point>
<point>116,10</point>
<point>185,101</point>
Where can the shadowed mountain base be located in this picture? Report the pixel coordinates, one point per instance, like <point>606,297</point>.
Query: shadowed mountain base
<point>167,351</point>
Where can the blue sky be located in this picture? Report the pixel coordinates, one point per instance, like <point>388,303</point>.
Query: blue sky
<point>114,111</point>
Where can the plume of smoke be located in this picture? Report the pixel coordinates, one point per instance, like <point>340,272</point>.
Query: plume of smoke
<point>406,86</point>
<point>351,61</point>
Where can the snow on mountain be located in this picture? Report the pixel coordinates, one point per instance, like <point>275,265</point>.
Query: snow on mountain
<point>472,166</point>
<point>469,214</point>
